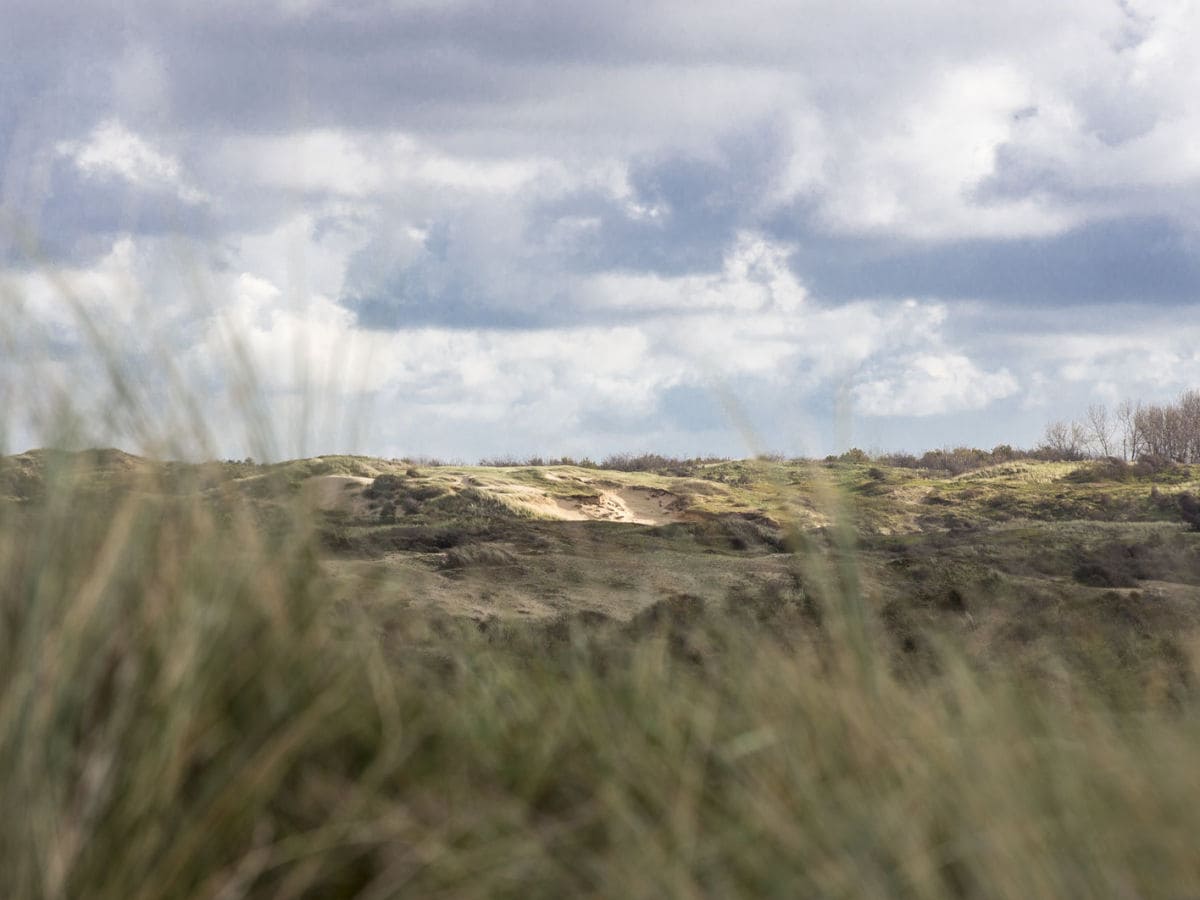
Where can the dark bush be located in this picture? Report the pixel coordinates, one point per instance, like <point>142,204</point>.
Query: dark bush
<point>899,460</point>
<point>657,463</point>
<point>509,461</point>
<point>1109,468</point>
<point>957,460</point>
<point>384,486</point>
<point>1154,465</point>
<point>1189,508</point>
<point>376,542</point>
<point>430,462</point>
<point>1099,573</point>
<point>1115,565</point>
<point>776,602</point>
<point>749,532</point>
<point>476,556</point>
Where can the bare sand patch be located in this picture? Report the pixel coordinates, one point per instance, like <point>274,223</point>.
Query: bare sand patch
<point>653,506</point>
<point>337,493</point>
<point>636,506</point>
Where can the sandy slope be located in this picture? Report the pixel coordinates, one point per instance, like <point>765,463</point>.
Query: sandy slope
<point>637,506</point>
<point>640,506</point>
<point>337,492</point>
<point>634,505</point>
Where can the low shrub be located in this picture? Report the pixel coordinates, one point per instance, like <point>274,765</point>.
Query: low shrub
<point>471,556</point>
<point>657,463</point>
<point>1189,509</point>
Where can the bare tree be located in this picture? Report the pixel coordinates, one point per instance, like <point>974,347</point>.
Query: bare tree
<point>1170,431</point>
<point>1167,430</point>
<point>1065,440</point>
<point>1127,414</point>
<point>1189,410</point>
<point>1151,422</point>
<point>1100,430</point>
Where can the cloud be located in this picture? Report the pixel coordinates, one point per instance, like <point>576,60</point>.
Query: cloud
<point>1128,259</point>
<point>929,384</point>
<point>751,325</point>
<point>590,216</point>
<point>112,151</point>
<point>916,177</point>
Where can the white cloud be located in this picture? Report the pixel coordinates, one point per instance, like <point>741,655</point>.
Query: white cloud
<point>915,175</point>
<point>927,384</point>
<point>365,164</point>
<point>111,290</point>
<point>754,277</point>
<point>1143,356</point>
<point>1101,124</point>
<point>753,322</point>
<point>112,150</point>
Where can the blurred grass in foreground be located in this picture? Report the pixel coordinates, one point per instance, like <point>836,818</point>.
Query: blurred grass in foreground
<point>182,714</point>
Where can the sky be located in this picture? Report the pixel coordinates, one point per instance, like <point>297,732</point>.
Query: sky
<point>464,228</point>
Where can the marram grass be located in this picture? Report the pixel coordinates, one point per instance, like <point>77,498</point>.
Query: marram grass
<point>183,714</point>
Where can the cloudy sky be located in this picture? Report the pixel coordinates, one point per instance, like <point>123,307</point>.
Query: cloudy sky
<point>692,226</point>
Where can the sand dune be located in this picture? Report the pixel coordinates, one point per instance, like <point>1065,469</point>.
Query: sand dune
<point>633,505</point>
<point>638,506</point>
<point>341,493</point>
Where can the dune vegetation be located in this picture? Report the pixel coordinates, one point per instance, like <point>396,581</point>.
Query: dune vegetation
<point>346,676</point>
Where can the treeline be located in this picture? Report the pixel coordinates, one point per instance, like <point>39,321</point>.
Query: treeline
<point>956,460</point>
<point>1150,434</point>
<point>620,462</point>
<point>1132,431</point>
